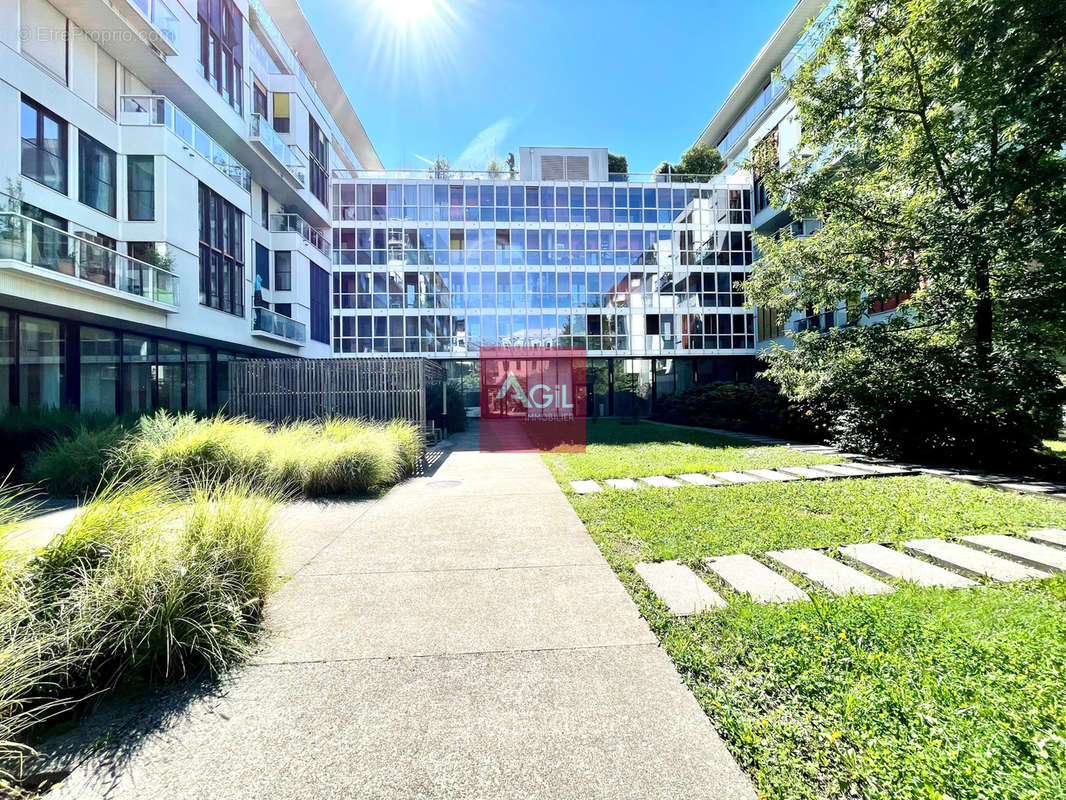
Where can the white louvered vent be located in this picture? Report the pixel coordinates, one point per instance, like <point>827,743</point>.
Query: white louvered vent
<point>552,168</point>
<point>577,168</point>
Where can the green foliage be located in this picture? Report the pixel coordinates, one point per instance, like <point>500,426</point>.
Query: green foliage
<point>138,586</point>
<point>614,450</point>
<point>910,393</point>
<point>931,151</point>
<point>617,164</point>
<point>698,164</point>
<point>741,407</point>
<point>455,420</point>
<point>313,459</point>
<point>75,464</point>
<point>24,432</point>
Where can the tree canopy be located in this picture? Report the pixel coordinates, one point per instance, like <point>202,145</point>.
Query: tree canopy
<point>698,163</point>
<point>933,151</point>
<point>617,164</point>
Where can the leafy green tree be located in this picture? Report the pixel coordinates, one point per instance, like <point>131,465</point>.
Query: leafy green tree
<point>493,168</point>
<point>932,150</point>
<point>698,163</point>
<point>617,164</point>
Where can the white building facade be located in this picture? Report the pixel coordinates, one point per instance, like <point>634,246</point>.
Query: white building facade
<point>165,158</point>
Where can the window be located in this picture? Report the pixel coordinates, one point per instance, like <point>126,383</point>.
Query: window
<point>41,357</point>
<point>137,358</point>
<point>262,265</point>
<point>221,28</point>
<point>44,146</point>
<point>283,271</point>
<point>281,112</point>
<point>170,376</point>
<point>285,309</point>
<point>7,358</point>
<point>264,208</point>
<point>106,82</point>
<point>221,253</point>
<point>48,46</point>
<point>99,370</point>
<point>259,100</point>
<point>319,304</point>
<point>318,146</point>
<point>140,187</point>
<point>198,361</point>
<point>96,174</point>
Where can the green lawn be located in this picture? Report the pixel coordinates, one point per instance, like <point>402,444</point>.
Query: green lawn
<point>631,451</point>
<point>1056,446</point>
<point>922,694</point>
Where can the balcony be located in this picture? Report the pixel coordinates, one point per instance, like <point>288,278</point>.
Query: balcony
<point>154,21</point>
<point>271,325</point>
<point>286,158</point>
<point>34,248</point>
<point>158,110</point>
<point>294,223</point>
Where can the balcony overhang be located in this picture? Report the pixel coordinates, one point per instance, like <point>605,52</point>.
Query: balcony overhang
<point>282,169</point>
<point>49,279</point>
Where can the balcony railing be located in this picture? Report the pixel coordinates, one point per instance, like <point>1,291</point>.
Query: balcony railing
<point>288,155</point>
<point>28,242</point>
<point>266,321</point>
<point>294,223</point>
<point>161,17</point>
<point>157,110</point>
<point>450,174</point>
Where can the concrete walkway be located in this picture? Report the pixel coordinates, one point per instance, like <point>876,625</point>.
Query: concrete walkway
<point>462,637</point>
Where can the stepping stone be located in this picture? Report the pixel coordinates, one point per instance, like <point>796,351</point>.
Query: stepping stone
<point>884,469</point>
<point>699,479</point>
<point>585,487</point>
<point>894,564</point>
<point>747,576</point>
<point>844,470</point>
<point>1037,555</point>
<point>683,591</point>
<point>1049,536</point>
<point>810,473</point>
<point>833,575</point>
<point>661,482</point>
<point>622,483</point>
<point>976,562</point>
<point>736,477</point>
<point>771,475</point>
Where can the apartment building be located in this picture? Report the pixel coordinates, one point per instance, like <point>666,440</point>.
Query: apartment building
<point>166,201</point>
<point>640,271</point>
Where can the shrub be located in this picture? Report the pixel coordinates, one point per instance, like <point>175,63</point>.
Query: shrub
<point>314,459</point>
<point>75,464</point>
<point>26,431</point>
<point>455,420</point>
<point>138,586</point>
<point>756,408</point>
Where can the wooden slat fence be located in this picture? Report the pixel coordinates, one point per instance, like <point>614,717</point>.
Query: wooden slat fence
<point>278,390</point>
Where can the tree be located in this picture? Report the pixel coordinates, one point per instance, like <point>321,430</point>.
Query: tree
<point>493,168</point>
<point>698,164</point>
<point>932,152</point>
<point>617,164</point>
<point>441,167</point>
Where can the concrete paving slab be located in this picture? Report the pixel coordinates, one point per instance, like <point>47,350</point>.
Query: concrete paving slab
<point>736,477</point>
<point>699,479</point>
<point>747,576</point>
<point>1037,555</point>
<point>585,487</point>
<point>809,473</point>
<point>974,562</point>
<point>1048,536</point>
<point>683,591</point>
<point>598,723</point>
<point>373,615</point>
<point>622,483</point>
<point>835,576</point>
<point>892,563</point>
<point>42,528</point>
<point>772,475</point>
<point>845,470</point>
<point>661,482</point>
<point>884,469</point>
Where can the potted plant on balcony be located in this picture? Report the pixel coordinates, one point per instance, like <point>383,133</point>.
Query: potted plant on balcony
<point>163,262</point>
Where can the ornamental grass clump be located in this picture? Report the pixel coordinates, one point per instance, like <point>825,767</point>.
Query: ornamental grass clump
<point>75,464</point>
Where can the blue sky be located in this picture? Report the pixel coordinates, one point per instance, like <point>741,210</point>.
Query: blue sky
<point>469,79</point>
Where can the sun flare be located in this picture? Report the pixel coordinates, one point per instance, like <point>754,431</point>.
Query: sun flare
<point>407,12</point>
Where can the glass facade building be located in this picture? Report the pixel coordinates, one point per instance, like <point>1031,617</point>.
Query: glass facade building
<point>620,268</point>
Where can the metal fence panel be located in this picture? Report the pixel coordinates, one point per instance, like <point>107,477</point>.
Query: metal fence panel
<point>284,389</point>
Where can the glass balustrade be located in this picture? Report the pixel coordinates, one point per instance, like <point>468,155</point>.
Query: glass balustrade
<point>32,243</point>
<point>266,321</point>
<point>158,110</point>
<point>294,223</point>
<point>288,155</point>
